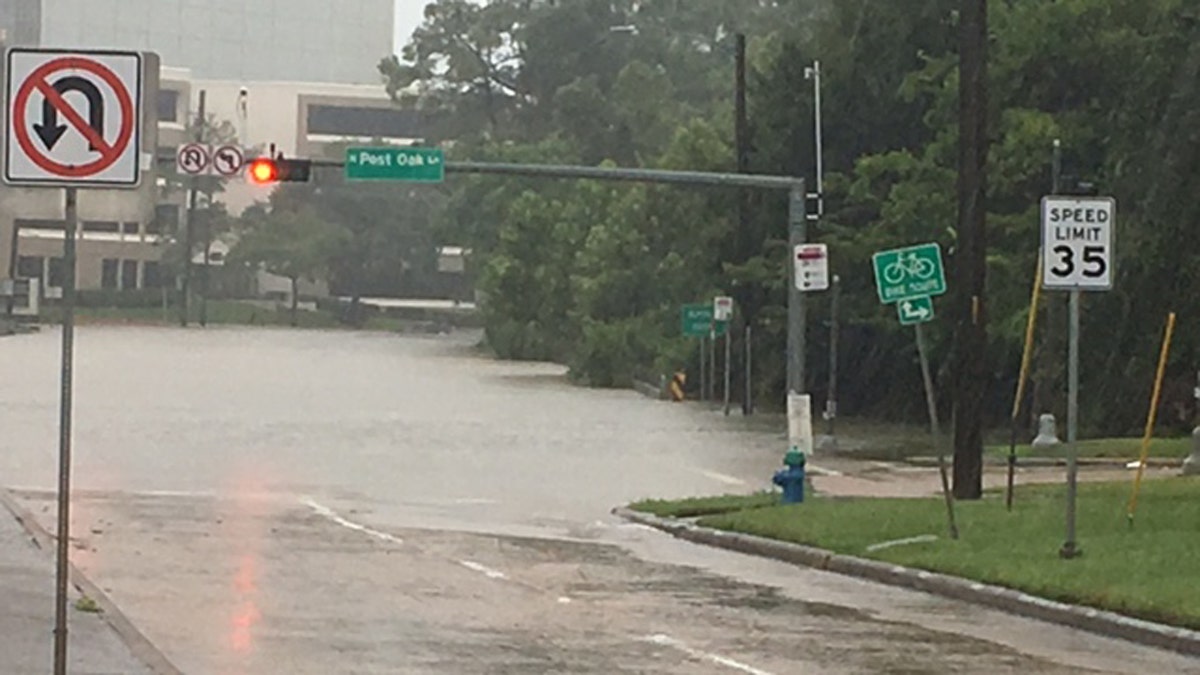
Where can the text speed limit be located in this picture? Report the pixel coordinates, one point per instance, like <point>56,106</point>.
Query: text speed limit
<point>1077,243</point>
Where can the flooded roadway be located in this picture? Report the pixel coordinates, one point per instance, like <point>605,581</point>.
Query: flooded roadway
<point>268,501</point>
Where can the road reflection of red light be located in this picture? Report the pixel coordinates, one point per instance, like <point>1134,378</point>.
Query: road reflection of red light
<point>247,615</point>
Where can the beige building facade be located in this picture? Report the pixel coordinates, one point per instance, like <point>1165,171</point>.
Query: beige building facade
<point>119,240</point>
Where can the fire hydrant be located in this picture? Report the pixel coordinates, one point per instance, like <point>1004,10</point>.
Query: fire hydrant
<point>791,479</point>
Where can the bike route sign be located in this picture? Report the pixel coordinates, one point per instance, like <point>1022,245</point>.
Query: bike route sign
<point>915,311</point>
<point>909,273</point>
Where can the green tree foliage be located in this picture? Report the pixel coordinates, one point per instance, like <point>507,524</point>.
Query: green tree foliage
<point>593,275</point>
<point>295,244</point>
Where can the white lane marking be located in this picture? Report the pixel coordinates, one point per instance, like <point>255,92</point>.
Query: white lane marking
<point>668,641</point>
<point>564,600</point>
<point>722,478</point>
<point>924,538</point>
<point>482,569</point>
<point>468,501</point>
<point>328,513</point>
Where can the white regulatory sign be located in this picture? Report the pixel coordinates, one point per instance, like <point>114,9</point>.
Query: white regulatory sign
<point>72,118</point>
<point>722,308</point>
<point>811,263</point>
<point>228,160</point>
<point>1077,243</point>
<point>193,159</point>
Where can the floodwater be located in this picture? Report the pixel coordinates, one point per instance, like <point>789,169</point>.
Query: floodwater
<point>272,501</point>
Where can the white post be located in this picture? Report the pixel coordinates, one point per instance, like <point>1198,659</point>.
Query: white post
<point>799,414</point>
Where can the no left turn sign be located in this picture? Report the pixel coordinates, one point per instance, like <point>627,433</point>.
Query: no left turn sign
<point>73,118</point>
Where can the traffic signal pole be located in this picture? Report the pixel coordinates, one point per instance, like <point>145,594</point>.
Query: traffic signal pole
<point>793,185</point>
<point>797,217</point>
<point>188,232</point>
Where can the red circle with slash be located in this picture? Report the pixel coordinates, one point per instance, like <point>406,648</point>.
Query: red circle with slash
<point>39,80</point>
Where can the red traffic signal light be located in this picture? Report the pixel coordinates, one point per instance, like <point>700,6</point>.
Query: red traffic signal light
<point>264,170</point>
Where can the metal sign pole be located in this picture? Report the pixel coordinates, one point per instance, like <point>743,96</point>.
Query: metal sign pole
<point>728,372</point>
<point>935,430</point>
<point>1070,548</point>
<point>711,394</point>
<point>831,395</point>
<point>64,436</point>
<point>797,319</point>
<point>748,404</point>
<point>703,367</point>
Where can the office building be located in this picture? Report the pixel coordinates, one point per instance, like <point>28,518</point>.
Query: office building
<point>333,41</point>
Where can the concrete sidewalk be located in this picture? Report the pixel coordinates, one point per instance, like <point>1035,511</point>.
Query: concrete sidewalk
<point>27,616</point>
<point>844,477</point>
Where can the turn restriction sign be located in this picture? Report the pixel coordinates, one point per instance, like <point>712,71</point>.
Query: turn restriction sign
<point>72,118</point>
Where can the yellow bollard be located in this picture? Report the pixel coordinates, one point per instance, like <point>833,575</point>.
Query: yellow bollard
<point>1153,414</point>
<point>676,386</point>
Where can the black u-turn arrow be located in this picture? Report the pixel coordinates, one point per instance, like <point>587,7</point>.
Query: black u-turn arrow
<point>50,131</point>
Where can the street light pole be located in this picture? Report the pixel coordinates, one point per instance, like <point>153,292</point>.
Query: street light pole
<point>813,73</point>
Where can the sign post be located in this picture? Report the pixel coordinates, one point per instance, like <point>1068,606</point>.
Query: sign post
<point>723,313</point>
<point>1077,255</point>
<point>909,277</point>
<point>73,119</point>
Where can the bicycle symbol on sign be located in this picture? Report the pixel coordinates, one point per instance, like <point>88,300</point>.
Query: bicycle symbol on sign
<point>908,266</point>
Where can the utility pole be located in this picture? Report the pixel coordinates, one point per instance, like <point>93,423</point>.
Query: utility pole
<point>970,338</point>
<point>745,238</point>
<point>189,234</point>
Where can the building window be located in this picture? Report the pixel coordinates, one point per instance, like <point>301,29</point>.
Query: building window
<point>168,105</point>
<point>55,274</point>
<point>40,224</point>
<point>129,275</point>
<point>101,226</point>
<point>30,267</point>
<point>166,219</point>
<point>108,273</point>
<point>151,275</point>
<point>129,228</point>
<point>363,121</point>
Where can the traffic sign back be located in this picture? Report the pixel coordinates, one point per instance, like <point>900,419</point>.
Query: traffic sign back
<point>73,118</point>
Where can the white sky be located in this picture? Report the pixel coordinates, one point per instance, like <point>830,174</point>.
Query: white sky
<point>408,17</point>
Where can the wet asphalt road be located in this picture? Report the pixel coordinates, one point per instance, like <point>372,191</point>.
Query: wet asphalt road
<point>262,501</point>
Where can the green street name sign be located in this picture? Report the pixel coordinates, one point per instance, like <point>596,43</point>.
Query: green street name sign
<point>909,273</point>
<point>417,165</point>
<point>698,321</point>
<point>915,311</point>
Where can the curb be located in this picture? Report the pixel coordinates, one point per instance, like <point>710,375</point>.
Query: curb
<point>139,645</point>
<point>1101,622</point>
<point>1107,462</point>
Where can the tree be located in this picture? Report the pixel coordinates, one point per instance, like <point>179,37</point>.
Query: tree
<point>296,244</point>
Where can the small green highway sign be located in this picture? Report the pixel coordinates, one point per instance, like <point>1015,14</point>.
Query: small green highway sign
<point>417,165</point>
<point>698,321</point>
<point>909,273</point>
<point>915,311</point>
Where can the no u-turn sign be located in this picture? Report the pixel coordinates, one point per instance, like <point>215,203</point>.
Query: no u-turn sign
<point>72,118</point>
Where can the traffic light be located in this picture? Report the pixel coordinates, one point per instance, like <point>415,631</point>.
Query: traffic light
<point>264,170</point>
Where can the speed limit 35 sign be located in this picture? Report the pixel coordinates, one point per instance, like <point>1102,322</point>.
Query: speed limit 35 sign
<point>1077,243</point>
